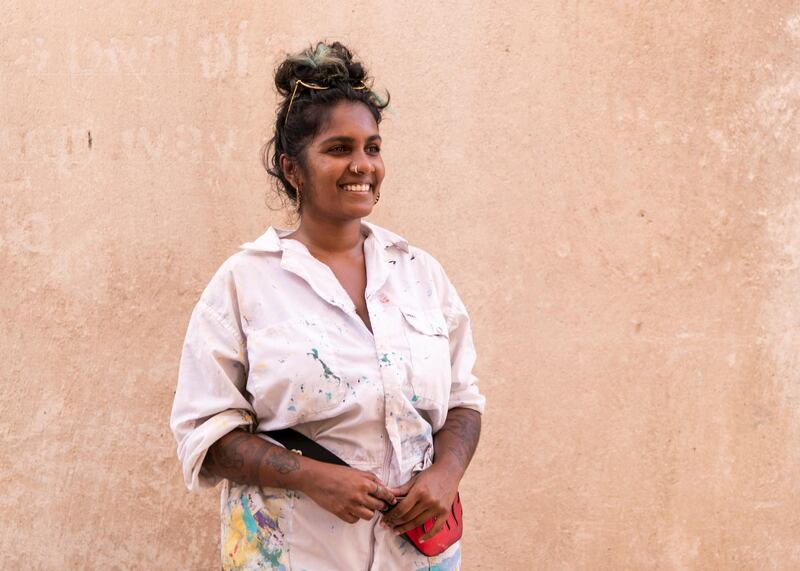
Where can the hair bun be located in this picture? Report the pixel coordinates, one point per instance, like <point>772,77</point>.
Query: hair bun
<point>324,65</point>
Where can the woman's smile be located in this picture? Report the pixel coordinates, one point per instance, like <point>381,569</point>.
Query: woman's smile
<point>360,188</point>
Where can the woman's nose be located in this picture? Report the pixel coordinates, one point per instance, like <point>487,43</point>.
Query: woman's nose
<point>362,165</point>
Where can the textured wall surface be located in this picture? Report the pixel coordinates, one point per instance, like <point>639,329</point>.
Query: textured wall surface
<point>614,187</point>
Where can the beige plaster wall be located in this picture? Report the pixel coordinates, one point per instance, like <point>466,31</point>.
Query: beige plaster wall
<point>613,186</point>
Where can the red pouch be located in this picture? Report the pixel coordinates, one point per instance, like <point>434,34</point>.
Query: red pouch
<point>447,536</point>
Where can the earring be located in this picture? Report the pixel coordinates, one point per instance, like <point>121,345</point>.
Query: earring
<point>377,197</point>
<point>298,197</point>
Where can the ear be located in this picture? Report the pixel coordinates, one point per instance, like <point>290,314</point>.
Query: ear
<point>291,170</point>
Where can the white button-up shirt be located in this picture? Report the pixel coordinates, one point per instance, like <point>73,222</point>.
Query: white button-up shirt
<point>275,342</point>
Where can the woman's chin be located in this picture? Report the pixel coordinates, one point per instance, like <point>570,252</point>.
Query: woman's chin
<point>362,211</point>
<point>360,206</point>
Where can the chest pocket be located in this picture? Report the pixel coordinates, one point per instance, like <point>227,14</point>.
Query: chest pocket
<point>294,371</point>
<point>429,345</point>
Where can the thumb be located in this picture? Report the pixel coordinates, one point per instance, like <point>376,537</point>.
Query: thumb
<point>402,491</point>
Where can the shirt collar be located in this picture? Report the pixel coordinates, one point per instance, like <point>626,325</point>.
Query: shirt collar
<point>270,241</point>
<point>386,238</point>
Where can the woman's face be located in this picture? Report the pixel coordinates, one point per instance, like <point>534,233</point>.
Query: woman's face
<point>330,187</point>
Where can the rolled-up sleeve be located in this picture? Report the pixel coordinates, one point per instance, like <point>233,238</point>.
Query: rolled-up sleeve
<point>209,400</point>
<point>464,390</point>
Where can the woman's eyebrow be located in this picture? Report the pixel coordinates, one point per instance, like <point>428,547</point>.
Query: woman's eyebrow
<point>346,139</point>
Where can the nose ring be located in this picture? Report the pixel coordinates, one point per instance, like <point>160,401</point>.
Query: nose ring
<point>354,168</point>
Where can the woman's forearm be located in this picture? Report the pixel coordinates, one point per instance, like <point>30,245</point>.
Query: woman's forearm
<point>457,440</point>
<point>247,459</point>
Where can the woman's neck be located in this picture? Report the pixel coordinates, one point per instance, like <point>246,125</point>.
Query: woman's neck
<point>329,238</point>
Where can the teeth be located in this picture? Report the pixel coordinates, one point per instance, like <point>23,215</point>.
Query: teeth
<point>356,187</point>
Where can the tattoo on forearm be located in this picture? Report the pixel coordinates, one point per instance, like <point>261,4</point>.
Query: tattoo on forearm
<point>227,456</point>
<point>240,457</point>
<point>283,461</point>
<point>459,435</point>
<point>254,473</point>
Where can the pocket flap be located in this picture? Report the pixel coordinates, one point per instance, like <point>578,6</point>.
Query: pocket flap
<point>426,321</point>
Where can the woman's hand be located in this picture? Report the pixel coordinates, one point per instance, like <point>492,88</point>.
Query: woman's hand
<point>431,492</point>
<point>428,494</point>
<point>348,493</point>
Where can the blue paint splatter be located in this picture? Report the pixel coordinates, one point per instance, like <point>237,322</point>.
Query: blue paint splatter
<point>449,564</point>
<point>249,522</point>
<point>325,369</point>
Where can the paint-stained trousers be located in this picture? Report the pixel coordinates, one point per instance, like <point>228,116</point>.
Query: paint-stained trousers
<point>272,528</point>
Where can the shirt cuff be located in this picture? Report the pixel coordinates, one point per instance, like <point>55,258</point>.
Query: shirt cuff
<point>193,449</point>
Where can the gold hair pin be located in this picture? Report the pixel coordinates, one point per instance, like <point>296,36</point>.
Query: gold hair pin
<point>313,86</point>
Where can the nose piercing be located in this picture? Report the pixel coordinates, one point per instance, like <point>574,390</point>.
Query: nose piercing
<point>354,168</point>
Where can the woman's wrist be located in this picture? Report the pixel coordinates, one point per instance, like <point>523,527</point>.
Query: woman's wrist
<point>448,466</point>
<point>455,443</point>
<point>310,474</point>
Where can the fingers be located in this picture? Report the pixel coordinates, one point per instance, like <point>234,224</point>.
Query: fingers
<point>405,501</point>
<point>415,519</point>
<point>384,494</point>
<point>404,511</point>
<point>374,503</point>
<point>401,490</point>
<point>355,513</point>
<point>438,524</point>
<point>399,511</point>
<point>348,493</point>
<point>365,502</point>
<point>363,512</point>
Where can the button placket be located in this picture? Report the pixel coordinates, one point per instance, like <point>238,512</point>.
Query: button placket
<point>389,371</point>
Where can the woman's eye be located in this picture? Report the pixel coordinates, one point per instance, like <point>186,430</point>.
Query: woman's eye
<point>338,149</point>
<point>374,149</point>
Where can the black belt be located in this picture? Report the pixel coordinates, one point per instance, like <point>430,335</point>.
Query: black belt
<point>293,440</point>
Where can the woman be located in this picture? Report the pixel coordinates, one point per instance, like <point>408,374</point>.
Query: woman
<point>342,331</point>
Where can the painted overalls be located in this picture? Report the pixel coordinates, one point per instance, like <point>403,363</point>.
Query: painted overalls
<point>275,342</point>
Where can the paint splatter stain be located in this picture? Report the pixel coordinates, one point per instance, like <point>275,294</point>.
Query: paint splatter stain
<point>385,359</point>
<point>325,369</point>
<point>89,136</point>
<point>253,536</point>
<point>452,563</point>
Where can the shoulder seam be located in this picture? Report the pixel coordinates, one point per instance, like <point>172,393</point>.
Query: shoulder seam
<point>218,317</point>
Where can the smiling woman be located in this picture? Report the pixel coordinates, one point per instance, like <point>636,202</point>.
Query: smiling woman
<point>316,84</point>
<point>337,339</point>
<point>347,171</point>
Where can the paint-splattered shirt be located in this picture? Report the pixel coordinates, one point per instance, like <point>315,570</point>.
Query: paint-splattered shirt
<point>275,342</point>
